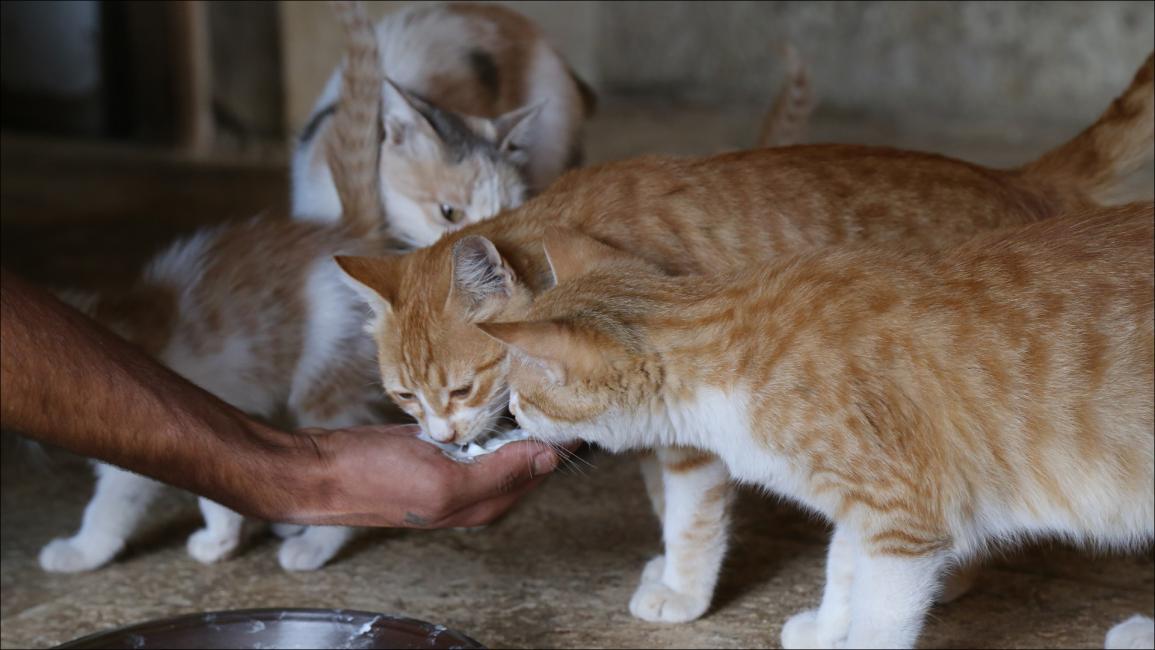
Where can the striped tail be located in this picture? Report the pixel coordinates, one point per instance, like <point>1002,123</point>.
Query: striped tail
<point>354,142</point>
<point>1118,143</point>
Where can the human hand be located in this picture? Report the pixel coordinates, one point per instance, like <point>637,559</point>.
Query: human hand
<point>386,476</point>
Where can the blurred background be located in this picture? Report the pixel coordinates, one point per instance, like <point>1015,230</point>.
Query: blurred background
<point>126,124</point>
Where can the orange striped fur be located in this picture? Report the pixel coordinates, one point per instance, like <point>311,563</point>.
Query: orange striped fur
<point>690,216</point>
<point>931,405</point>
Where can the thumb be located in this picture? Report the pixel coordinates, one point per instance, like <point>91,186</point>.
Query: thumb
<point>509,467</point>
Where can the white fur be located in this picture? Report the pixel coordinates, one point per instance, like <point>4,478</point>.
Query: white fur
<point>410,57</point>
<point>556,128</point>
<point>115,510</point>
<point>1135,632</point>
<point>220,536</point>
<point>871,601</point>
<point>678,586</point>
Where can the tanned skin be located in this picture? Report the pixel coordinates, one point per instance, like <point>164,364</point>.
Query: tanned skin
<point>68,382</point>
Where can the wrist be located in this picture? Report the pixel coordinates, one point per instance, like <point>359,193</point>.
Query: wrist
<point>299,483</point>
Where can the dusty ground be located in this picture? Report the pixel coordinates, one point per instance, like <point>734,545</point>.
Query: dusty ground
<point>559,570</point>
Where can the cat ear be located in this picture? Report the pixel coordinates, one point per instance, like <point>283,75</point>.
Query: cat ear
<point>514,132</point>
<point>559,349</point>
<point>482,281</point>
<point>403,123</point>
<point>372,278</point>
<point>571,253</point>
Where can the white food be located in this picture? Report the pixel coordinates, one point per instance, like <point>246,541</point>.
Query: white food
<point>478,447</point>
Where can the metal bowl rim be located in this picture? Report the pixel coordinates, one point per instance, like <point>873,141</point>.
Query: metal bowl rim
<point>303,613</point>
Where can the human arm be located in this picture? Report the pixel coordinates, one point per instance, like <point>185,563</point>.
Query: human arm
<point>66,381</point>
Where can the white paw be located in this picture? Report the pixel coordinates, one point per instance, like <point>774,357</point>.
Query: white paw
<point>655,602</point>
<point>302,553</point>
<point>207,548</point>
<point>1135,632</point>
<point>70,556</point>
<point>285,531</point>
<point>654,569</point>
<point>803,631</point>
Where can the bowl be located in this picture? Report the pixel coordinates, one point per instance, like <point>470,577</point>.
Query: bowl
<point>279,628</point>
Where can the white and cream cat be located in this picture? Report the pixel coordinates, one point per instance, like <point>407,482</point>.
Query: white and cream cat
<point>258,314</point>
<point>482,111</point>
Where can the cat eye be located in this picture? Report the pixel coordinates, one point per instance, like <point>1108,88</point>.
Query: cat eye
<point>404,396</point>
<point>459,393</point>
<point>452,214</point>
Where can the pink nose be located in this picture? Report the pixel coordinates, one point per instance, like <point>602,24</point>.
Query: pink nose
<point>443,433</point>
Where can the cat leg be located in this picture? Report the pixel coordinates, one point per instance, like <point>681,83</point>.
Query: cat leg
<point>333,398</point>
<point>652,477</point>
<point>1135,632</point>
<point>313,548</point>
<point>116,509</point>
<point>678,586</point>
<point>285,531</point>
<point>220,536</point>
<point>827,626</point>
<point>891,594</point>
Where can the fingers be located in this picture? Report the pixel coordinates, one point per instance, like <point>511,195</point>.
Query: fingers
<point>507,469</point>
<point>484,488</point>
<point>480,513</point>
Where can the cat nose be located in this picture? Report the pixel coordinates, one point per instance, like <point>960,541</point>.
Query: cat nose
<point>442,431</point>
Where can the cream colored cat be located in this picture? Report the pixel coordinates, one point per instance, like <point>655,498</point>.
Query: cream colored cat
<point>481,112</point>
<point>697,216</point>
<point>930,405</point>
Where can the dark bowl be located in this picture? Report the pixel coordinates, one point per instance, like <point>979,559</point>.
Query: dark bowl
<point>279,628</point>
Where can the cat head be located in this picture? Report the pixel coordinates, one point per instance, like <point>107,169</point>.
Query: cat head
<point>434,362</point>
<point>582,364</point>
<point>441,170</point>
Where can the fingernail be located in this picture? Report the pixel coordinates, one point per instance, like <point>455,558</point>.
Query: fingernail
<point>544,463</point>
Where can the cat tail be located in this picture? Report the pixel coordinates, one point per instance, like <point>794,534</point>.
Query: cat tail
<point>354,143</point>
<point>1118,143</point>
<point>789,116</point>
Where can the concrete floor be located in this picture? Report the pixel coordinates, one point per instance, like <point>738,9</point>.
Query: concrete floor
<point>559,570</point>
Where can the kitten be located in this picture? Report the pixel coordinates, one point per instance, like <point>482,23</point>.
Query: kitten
<point>693,216</point>
<point>931,405</point>
<point>480,113</point>
<point>258,314</point>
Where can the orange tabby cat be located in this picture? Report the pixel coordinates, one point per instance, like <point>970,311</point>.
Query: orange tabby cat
<point>695,215</point>
<point>930,405</point>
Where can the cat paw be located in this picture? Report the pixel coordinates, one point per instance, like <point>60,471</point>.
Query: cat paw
<point>207,548</point>
<point>654,569</point>
<point>302,553</point>
<point>285,531</point>
<point>655,602</point>
<point>1135,632</point>
<point>67,555</point>
<point>804,631</point>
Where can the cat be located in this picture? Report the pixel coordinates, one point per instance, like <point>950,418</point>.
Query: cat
<point>258,314</point>
<point>480,112</point>
<point>931,406</point>
<point>701,215</point>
